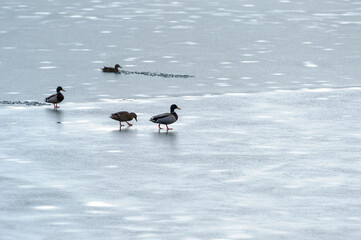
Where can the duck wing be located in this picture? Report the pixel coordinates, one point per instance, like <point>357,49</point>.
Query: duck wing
<point>164,118</point>
<point>52,99</point>
<point>105,68</point>
<point>121,116</point>
<point>55,98</point>
<point>109,69</point>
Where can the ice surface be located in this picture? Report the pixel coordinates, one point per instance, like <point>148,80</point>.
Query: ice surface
<point>267,143</point>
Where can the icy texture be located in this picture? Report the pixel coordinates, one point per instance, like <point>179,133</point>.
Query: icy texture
<point>267,145</point>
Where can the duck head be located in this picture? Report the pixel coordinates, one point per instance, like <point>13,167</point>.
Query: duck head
<point>58,89</point>
<point>117,66</point>
<point>133,115</point>
<point>173,107</point>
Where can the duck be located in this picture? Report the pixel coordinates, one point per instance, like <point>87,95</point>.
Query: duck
<point>56,98</point>
<point>166,118</point>
<point>114,69</point>
<point>124,116</point>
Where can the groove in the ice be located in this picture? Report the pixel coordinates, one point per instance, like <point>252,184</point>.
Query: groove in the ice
<point>157,74</point>
<point>27,103</point>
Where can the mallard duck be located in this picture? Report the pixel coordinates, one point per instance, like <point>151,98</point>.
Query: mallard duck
<point>166,118</point>
<point>114,69</point>
<point>56,98</point>
<point>124,117</point>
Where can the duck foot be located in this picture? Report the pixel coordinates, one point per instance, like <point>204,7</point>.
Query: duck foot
<point>168,127</point>
<point>159,127</point>
<point>129,123</point>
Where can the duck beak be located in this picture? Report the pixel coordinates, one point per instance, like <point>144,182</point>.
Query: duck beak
<point>62,90</point>
<point>179,108</point>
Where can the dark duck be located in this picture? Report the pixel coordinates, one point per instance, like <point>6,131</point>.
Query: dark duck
<point>166,118</point>
<point>114,69</point>
<point>56,98</point>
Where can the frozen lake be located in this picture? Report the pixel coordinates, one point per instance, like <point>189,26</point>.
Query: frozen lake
<point>267,145</point>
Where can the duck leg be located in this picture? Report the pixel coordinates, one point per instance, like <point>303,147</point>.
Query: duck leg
<point>159,126</point>
<point>129,123</point>
<point>168,127</point>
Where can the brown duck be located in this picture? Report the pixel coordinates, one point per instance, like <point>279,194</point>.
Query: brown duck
<point>124,117</point>
<point>114,69</point>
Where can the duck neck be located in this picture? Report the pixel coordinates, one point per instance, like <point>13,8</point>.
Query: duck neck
<point>175,115</point>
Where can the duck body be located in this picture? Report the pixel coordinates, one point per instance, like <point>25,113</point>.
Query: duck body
<point>114,69</point>
<point>56,98</point>
<point>124,116</point>
<point>166,118</point>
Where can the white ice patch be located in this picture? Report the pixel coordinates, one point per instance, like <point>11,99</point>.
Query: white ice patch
<point>114,151</point>
<point>310,64</point>
<point>98,204</point>
<point>76,16</point>
<point>111,166</point>
<point>46,208</point>
<point>42,13</point>
<point>191,43</point>
<point>249,62</point>
<point>319,90</point>
<point>8,48</point>
<point>79,49</point>
<point>48,67</point>
<point>222,84</point>
<point>26,186</point>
